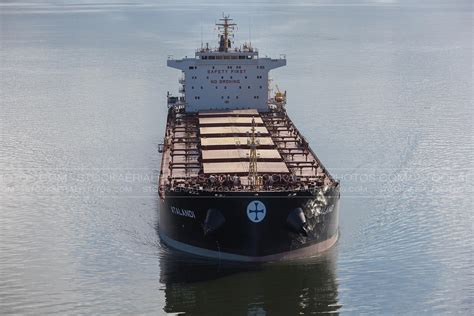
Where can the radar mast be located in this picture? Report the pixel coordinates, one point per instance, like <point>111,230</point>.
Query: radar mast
<point>225,27</point>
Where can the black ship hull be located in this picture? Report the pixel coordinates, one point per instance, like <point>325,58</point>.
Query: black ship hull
<point>250,227</point>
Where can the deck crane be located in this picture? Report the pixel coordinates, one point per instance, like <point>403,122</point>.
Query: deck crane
<point>279,96</point>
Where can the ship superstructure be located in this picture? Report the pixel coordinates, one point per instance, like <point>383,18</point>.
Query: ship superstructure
<point>238,180</point>
<point>226,77</point>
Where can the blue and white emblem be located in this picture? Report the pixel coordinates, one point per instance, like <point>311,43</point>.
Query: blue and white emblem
<point>256,211</point>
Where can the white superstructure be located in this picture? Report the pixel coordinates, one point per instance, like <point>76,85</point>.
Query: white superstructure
<point>225,77</point>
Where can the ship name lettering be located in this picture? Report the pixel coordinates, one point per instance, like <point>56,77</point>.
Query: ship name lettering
<point>183,212</point>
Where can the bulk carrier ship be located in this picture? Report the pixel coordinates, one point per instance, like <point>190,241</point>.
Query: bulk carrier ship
<point>238,181</point>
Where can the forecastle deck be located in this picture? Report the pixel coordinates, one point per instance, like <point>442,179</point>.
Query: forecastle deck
<point>208,151</point>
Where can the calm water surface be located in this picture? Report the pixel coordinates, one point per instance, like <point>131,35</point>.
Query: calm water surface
<point>382,89</point>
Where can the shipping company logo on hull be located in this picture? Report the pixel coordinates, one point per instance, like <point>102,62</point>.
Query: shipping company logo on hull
<point>256,211</point>
<point>182,212</point>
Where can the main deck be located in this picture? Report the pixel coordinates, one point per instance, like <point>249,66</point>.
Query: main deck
<point>208,151</point>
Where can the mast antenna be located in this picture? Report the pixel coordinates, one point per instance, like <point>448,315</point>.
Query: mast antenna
<point>225,27</point>
<point>250,35</point>
<point>201,37</point>
<point>253,142</point>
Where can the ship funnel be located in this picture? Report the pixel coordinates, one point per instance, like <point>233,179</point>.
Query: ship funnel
<point>297,221</point>
<point>214,220</point>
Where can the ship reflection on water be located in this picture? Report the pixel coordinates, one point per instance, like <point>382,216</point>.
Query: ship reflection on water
<point>202,287</point>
